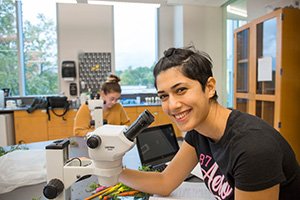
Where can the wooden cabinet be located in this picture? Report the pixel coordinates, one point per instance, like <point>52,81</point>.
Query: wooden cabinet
<point>61,127</point>
<point>157,112</point>
<point>267,75</point>
<point>131,113</point>
<point>30,127</point>
<point>35,127</point>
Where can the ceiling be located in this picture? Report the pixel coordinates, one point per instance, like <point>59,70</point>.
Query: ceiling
<point>216,3</point>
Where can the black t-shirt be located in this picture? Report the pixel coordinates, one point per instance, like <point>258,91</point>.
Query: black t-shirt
<point>251,156</point>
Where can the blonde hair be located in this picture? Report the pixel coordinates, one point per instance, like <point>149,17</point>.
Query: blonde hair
<point>111,84</point>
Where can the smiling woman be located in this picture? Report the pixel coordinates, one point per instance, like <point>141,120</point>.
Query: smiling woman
<point>240,155</point>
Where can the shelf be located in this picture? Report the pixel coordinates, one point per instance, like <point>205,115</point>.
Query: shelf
<point>242,61</point>
<point>275,99</point>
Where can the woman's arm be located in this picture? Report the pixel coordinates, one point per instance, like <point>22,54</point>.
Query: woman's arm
<point>163,183</point>
<point>267,194</point>
<point>124,117</point>
<point>82,121</point>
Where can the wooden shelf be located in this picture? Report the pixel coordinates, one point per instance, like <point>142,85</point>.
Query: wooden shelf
<point>242,61</point>
<point>275,100</point>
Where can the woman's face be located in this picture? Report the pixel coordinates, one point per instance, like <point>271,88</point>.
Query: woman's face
<point>110,98</point>
<point>183,99</point>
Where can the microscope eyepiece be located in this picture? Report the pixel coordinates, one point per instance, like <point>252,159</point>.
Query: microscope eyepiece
<point>141,123</point>
<point>94,141</point>
<point>53,188</point>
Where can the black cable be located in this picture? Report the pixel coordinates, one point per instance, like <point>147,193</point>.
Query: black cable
<point>76,158</point>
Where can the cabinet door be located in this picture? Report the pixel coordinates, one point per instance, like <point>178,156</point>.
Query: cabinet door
<point>242,105</point>
<point>30,127</point>
<point>265,110</point>
<point>242,62</point>
<point>131,113</point>
<point>61,127</point>
<point>266,46</point>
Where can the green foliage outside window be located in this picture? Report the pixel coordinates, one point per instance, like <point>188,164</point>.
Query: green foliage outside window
<point>40,51</point>
<point>41,75</point>
<point>138,76</point>
<point>40,57</point>
<point>8,47</point>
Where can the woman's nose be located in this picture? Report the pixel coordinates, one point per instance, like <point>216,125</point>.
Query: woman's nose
<point>173,103</point>
<point>114,101</point>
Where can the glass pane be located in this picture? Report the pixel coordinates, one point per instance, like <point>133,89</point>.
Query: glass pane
<point>231,26</point>
<point>266,49</point>
<point>40,47</point>
<point>242,61</point>
<point>265,110</point>
<point>135,34</point>
<point>8,48</point>
<point>242,105</point>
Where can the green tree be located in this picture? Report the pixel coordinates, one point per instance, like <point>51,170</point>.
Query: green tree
<point>8,47</point>
<point>138,76</point>
<point>40,49</point>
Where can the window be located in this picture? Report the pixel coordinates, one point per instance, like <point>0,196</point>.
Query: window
<point>236,17</point>
<point>135,33</point>
<point>40,48</point>
<point>8,47</point>
<point>231,26</point>
<point>37,71</point>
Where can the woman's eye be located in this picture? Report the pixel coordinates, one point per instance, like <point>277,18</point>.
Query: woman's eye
<point>162,97</point>
<point>180,90</point>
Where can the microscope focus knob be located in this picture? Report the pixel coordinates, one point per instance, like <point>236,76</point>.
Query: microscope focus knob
<point>94,141</point>
<point>53,188</point>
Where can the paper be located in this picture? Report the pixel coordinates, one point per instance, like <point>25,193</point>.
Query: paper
<point>264,72</point>
<point>188,190</point>
<point>197,172</point>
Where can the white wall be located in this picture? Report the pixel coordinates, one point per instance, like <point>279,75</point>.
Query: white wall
<point>83,28</point>
<point>202,26</point>
<point>89,28</point>
<point>165,28</point>
<point>257,9</point>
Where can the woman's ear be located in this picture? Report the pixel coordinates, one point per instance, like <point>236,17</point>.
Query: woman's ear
<point>211,86</point>
<point>101,94</point>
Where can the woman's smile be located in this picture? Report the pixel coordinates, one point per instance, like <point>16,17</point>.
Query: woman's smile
<point>182,116</point>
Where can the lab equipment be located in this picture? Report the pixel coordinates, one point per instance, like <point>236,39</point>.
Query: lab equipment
<point>106,147</point>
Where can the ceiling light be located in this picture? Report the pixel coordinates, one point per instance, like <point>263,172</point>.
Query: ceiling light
<point>66,1</point>
<point>237,11</point>
<point>101,2</point>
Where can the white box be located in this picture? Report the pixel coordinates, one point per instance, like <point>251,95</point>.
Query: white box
<point>7,131</point>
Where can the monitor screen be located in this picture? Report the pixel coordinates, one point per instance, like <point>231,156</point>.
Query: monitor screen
<point>157,143</point>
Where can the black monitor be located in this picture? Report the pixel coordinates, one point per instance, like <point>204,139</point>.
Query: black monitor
<point>157,145</point>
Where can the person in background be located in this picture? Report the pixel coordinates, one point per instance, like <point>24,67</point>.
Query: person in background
<point>113,112</point>
<point>241,156</point>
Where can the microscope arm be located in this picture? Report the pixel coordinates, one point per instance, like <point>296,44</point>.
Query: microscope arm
<point>106,146</point>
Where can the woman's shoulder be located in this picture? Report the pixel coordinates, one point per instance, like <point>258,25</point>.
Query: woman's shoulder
<point>84,107</point>
<point>117,107</point>
<point>244,121</point>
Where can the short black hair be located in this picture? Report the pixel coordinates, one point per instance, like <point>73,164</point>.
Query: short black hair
<point>193,64</point>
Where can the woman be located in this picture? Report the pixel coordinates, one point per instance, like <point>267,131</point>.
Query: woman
<point>113,112</point>
<point>241,156</point>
